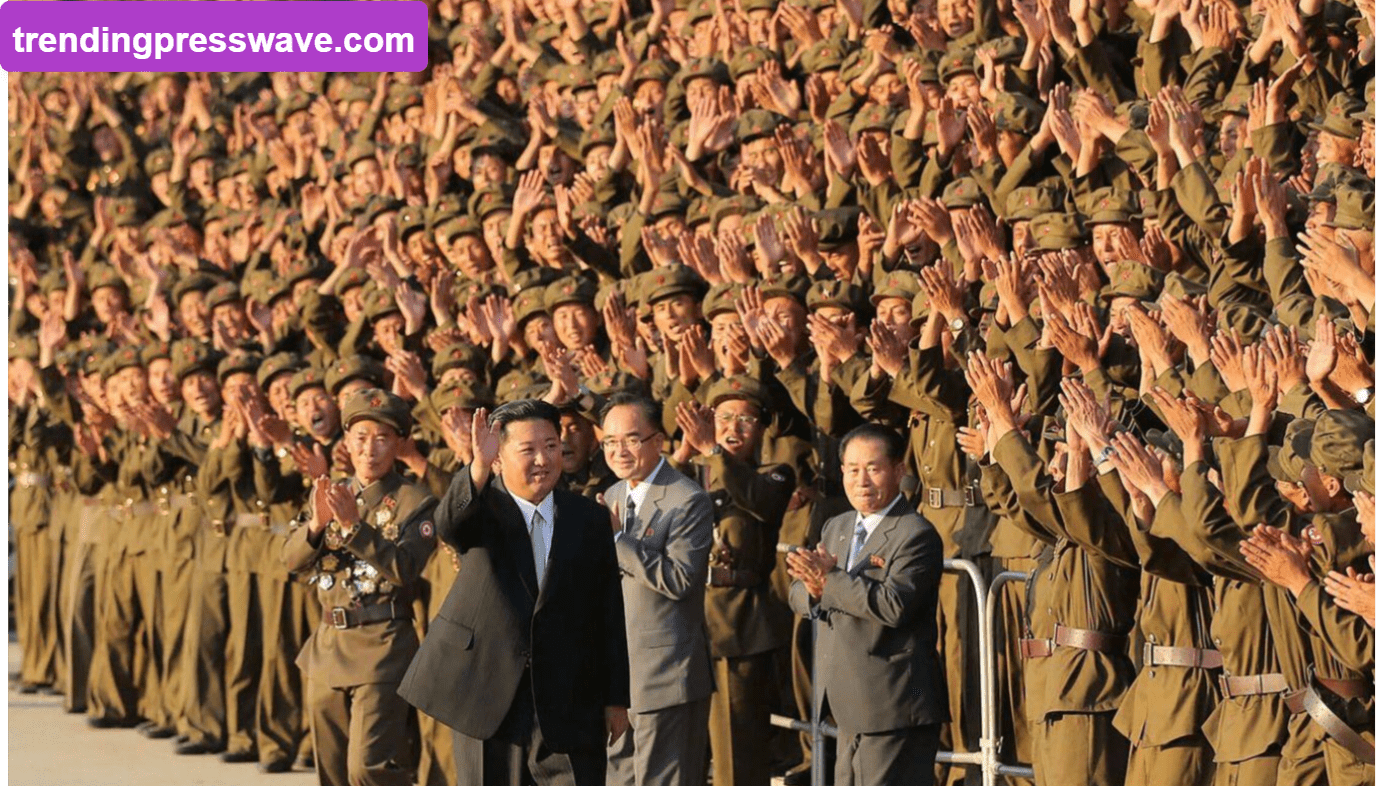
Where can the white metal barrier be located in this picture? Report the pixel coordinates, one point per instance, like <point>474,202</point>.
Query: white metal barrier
<point>986,758</point>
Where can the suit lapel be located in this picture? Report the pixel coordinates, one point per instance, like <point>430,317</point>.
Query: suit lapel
<point>880,536</point>
<point>517,538</point>
<point>561,547</point>
<point>654,496</point>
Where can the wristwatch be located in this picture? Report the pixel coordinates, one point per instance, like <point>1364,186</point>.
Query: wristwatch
<point>1104,455</point>
<point>586,400</point>
<point>1363,396</point>
<point>957,324</point>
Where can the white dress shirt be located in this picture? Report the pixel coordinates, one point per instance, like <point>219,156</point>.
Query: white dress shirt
<point>546,509</point>
<point>636,496</point>
<point>869,523</point>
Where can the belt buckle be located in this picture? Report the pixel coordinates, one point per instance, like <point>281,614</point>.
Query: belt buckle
<point>934,498</point>
<point>1225,686</point>
<point>1147,648</point>
<point>339,618</point>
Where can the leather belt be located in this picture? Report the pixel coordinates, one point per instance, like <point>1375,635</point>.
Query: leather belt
<point>253,520</point>
<point>280,528</point>
<point>30,479</point>
<point>937,498</point>
<point>1252,685</point>
<point>1078,638</point>
<point>1155,655</point>
<point>139,508</point>
<point>342,618</point>
<point>727,577</point>
<point>1310,701</point>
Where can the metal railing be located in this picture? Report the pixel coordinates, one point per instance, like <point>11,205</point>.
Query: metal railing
<point>986,758</point>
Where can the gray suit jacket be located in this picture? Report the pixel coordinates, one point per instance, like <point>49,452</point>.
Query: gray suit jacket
<point>663,558</point>
<point>876,651</point>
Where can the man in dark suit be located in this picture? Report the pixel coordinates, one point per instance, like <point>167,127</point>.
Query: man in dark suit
<point>871,585</point>
<point>663,525</point>
<point>526,660</point>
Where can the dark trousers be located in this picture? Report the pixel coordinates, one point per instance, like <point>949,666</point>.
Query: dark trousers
<point>902,757</point>
<point>503,761</point>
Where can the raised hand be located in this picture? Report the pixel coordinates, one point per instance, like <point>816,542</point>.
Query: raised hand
<point>484,443</point>
<point>1279,557</point>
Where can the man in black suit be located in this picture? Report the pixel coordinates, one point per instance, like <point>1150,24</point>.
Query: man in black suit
<point>871,585</point>
<point>526,660</point>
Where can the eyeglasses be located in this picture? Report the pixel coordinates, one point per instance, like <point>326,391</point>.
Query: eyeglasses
<point>631,443</point>
<point>744,420</point>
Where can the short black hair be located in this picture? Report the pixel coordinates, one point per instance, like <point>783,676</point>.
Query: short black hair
<point>652,410</point>
<point>522,410</point>
<point>894,446</point>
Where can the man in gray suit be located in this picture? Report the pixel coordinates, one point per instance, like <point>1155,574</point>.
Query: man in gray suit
<point>871,586</point>
<point>663,526</point>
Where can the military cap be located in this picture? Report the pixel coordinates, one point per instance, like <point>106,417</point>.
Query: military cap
<point>517,385</point>
<point>167,218</point>
<point>872,117</point>
<point>1109,205</point>
<point>277,364</point>
<point>347,369</point>
<point>962,193</point>
<point>739,387</point>
<point>1361,480</point>
<point>458,227</point>
<point>855,64</point>
<point>1285,463</point>
<point>757,5</point>
<point>411,219</point>
<point>534,277</point>
<point>1057,231</point>
<point>1019,113</point>
<point>612,381</point>
<point>23,347</point>
<point>306,267</point>
<point>239,361</point>
<point>222,293</point>
<point>52,281</point>
<point>655,70</point>
<point>699,212</point>
<point>737,205</point>
<point>1236,100</point>
<point>351,278</point>
<point>124,212</point>
<point>667,203</point>
<point>664,282</point>
<point>101,275</point>
<point>1180,287</point>
<point>721,299</point>
<point>374,207</point>
<point>570,289</point>
<point>1355,208</point>
<point>487,201</point>
<point>379,303</point>
<point>905,284</point>
<point>605,64</point>
<point>378,406</point>
<point>155,350</point>
<point>595,136</point>
<point>824,55</point>
<point>836,227</point>
<point>207,145</point>
<point>157,162</point>
<point>842,294</point>
<point>704,68</point>
<point>748,60</point>
<point>1129,279</point>
<point>190,356</point>
<point>1028,202</point>
<point>296,102</point>
<point>956,61</point>
<point>463,395</point>
<point>1007,49</point>
<point>305,379</point>
<point>402,98</point>
<point>755,123</point>
<point>1341,117</point>
<point>1338,441</point>
<point>359,151</point>
<point>785,286</point>
<point>700,11</point>
<point>1329,178</point>
<point>457,356</point>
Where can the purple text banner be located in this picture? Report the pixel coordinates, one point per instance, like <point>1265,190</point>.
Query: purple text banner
<point>162,35</point>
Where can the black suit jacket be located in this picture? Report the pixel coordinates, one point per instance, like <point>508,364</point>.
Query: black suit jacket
<point>496,623</point>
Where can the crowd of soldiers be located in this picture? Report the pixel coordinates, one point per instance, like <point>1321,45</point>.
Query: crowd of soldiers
<point>1108,264</point>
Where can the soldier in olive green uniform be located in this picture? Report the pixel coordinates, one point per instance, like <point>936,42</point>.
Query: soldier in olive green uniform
<point>366,560</point>
<point>746,624</point>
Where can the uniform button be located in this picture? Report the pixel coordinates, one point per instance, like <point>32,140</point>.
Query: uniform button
<point>1151,637</point>
<point>1217,641</point>
<point>260,502</point>
<point>1153,673</point>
